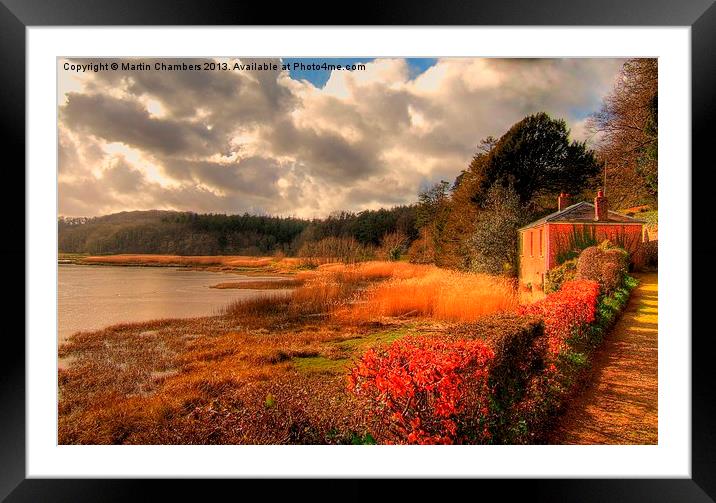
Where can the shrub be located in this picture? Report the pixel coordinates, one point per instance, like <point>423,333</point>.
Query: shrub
<point>494,242</point>
<point>650,253</point>
<point>556,276</point>
<point>566,313</point>
<point>604,264</point>
<point>426,390</point>
<point>501,379</point>
<point>481,371</point>
<point>337,249</point>
<point>422,250</point>
<point>393,246</point>
<point>520,353</point>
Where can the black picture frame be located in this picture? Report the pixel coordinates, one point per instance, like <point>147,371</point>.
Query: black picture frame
<point>17,15</point>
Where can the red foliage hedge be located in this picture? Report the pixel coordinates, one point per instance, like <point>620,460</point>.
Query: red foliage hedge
<point>566,312</point>
<point>465,387</point>
<point>489,381</point>
<point>425,389</point>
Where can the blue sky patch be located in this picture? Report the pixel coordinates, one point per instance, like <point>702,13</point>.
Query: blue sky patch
<point>319,77</point>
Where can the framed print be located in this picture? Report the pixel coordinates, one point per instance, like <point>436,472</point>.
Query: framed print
<point>423,251</point>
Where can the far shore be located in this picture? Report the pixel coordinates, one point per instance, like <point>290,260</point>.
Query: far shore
<point>223,263</point>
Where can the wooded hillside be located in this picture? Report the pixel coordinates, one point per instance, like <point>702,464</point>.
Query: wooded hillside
<point>185,233</point>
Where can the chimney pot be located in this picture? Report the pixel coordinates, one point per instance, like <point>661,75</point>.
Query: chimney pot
<point>601,208</point>
<point>562,201</point>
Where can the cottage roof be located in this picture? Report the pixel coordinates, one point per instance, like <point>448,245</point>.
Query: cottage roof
<point>581,213</point>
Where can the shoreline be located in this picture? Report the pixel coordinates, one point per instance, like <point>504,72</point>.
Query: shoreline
<point>215,263</point>
<point>131,294</point>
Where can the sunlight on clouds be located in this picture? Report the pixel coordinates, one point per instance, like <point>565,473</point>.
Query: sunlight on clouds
<point>418,121</point>
<point>155,108</point>
<point>68,82</point>
<point>151,171</point>
<point>432,79</point>
<point>262,141</point>
<point>387,72</point>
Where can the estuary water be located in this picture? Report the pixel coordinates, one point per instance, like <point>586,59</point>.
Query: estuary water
<point>93,297</point>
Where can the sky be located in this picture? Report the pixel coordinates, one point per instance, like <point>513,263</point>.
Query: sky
<point>292,142</point>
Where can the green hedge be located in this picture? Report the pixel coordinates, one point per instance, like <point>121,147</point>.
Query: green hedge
<point>556,276</point>
<point>520,353</point>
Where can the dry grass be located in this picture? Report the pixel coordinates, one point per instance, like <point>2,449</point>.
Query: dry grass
<point>326,290</point>
<point>268,370</point>
<point>374,271</point>
<point>164,260</point>
<point>260,284</point>
<point>226,262</point>
<point>438,294</point>
<point>210,380</point>
<point>257,309</point>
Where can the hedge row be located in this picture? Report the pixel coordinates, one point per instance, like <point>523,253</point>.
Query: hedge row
<point>501,379</point>
<point>426,390</point>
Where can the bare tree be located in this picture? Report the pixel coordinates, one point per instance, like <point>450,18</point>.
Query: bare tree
<point>626,132</point>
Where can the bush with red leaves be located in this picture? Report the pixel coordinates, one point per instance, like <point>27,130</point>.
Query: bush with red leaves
<point>473,388</point>
<point>566,312</point>
<point>426,390</point>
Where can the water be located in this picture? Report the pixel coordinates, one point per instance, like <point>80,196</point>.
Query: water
<point>93,297</point>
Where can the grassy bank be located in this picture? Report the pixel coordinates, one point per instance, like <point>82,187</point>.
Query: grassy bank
<point>237,263</point>
<point>268,370</point>
<point>259,284</point>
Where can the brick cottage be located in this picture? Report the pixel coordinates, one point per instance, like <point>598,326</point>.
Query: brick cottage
<point>543,241</point>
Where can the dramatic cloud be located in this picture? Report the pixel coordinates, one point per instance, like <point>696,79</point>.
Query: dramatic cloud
<point>265,142</point>
<point>128,122</point>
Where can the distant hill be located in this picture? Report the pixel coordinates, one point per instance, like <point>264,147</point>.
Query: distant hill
<point>187,233</point>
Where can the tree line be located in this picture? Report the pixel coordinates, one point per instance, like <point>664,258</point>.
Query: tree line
<point>188,233</point>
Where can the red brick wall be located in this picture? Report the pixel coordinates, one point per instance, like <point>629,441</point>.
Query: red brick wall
<point>627,235</point>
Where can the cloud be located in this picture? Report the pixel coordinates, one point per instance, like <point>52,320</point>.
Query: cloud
<point>122,178</point>
<point>127,121</point>
<point>260,141</point>
<point>254,177</point>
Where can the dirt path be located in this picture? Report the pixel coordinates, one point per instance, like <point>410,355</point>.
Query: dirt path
<point>619,406</point>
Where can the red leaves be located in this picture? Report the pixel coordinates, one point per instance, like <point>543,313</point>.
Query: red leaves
<point>566,311</point>
<point>434,390</point>
<point>417,386</point>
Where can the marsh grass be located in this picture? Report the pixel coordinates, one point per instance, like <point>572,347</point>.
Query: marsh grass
<point>126,388</point>
<point>260,284</point>
<point>206,380</point>
<point>439,295</point>
<point>223,262</point>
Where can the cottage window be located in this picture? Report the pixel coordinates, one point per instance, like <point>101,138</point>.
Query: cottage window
<point>532,235</point>
<point>540,243</point>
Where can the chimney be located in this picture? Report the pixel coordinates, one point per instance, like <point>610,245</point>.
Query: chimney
<point>601,208</point>
<point>562,201</point>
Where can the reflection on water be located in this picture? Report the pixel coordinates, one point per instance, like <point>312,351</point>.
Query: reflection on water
<point>93,297</point>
